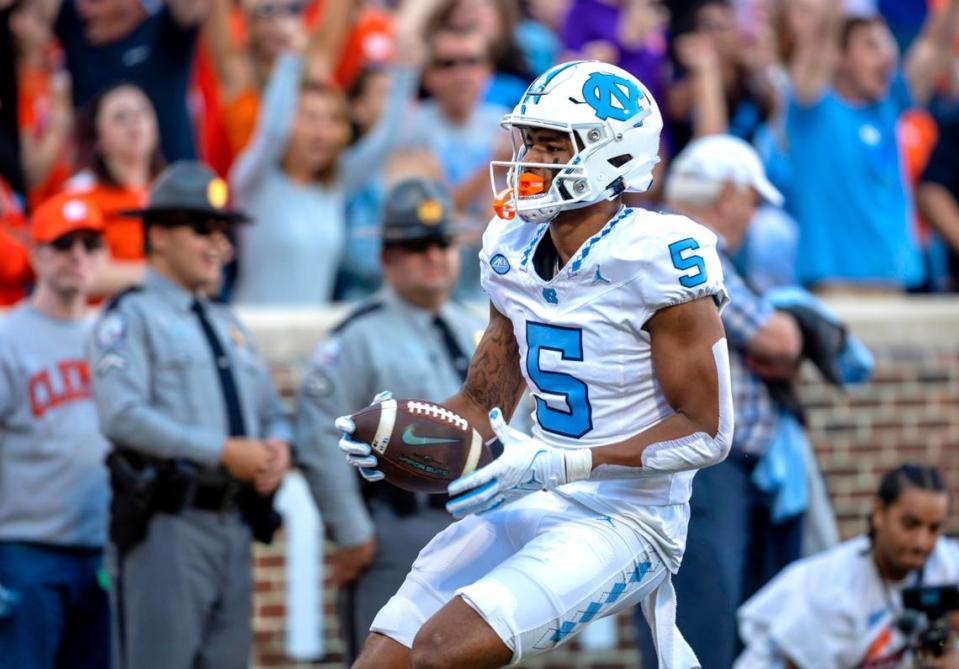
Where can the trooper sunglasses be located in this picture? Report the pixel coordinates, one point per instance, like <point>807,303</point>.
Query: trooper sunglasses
<point>422,245</point>
<point>204,227</point>
<point>208,226</point>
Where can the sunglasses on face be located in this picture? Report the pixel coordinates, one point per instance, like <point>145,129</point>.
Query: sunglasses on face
<point>422,245</point>
<point>91,242</point>
<point>203,227</point>
<point>450,63</point>
<point>207,227</point>
<point>269,10</point>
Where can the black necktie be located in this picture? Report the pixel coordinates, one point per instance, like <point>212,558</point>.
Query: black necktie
<point>457,357</point>
<point>234,411</point>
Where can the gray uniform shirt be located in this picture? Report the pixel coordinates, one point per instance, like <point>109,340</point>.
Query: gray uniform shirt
<point>53,482</point>
<point>155,381</point>
<point>387,344</point>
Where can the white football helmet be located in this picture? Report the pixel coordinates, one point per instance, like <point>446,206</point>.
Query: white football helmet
<point>614,126</point>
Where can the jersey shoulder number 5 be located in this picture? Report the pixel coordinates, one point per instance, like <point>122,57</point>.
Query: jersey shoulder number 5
<point>684,257</point>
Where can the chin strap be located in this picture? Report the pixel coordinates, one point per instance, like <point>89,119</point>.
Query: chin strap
<point>504,204</point>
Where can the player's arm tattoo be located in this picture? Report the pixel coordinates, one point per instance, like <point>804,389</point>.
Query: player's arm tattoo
<point>494,378</point>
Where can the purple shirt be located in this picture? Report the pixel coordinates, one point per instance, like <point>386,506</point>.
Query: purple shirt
<point>591,20</point>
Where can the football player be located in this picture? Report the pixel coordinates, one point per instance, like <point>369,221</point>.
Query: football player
<point>610,316</point>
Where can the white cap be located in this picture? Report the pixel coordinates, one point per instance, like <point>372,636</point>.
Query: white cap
<point>860,8</point>
<point>720,158</point>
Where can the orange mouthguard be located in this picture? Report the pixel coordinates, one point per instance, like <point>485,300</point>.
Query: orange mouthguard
<point>530,184</point>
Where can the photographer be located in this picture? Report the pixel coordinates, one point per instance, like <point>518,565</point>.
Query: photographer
<point>843,608</point>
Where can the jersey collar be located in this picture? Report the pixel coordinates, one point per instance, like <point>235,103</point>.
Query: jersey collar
<point>580,258</point>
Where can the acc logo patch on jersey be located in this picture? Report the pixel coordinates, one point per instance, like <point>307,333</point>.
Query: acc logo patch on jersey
<point>611,96</point>
<point>499,263</point>
<point>111,331</point>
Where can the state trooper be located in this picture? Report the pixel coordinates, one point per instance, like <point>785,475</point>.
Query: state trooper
<point>200,439</point>
<point>410,338</point>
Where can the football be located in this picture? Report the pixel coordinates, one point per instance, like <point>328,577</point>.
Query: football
<point>420,446</point>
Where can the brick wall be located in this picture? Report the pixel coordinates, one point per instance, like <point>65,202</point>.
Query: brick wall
<point>910,410</point>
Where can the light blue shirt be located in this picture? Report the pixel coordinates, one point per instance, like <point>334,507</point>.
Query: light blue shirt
<point>462,149</point>
<point>290,253</point>
<point>850,196</point>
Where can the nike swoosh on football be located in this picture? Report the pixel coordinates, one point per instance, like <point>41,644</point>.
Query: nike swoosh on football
<point>415,440</point>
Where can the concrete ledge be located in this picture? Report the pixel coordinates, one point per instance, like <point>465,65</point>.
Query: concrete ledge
<point>911,321</point>
<point>289,334</point>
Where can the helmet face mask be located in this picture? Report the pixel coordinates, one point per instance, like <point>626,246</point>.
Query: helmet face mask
<point>613,126</point>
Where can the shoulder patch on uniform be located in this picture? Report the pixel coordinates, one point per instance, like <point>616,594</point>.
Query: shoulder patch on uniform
<point>499,263</point>
<point>317,383</point>
<point>358,313</point>
<point>327,353</point>
<point>116,299</point>
<point>110,361</point>
<point>110,331</point>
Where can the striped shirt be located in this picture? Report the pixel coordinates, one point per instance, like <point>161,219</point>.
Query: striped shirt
<point>756,413</point>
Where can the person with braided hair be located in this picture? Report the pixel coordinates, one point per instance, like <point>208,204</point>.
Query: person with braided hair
<point>845,604</point>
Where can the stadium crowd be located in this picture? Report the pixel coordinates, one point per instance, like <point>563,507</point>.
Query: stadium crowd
<point>841,119</point>
<point>310,108</point>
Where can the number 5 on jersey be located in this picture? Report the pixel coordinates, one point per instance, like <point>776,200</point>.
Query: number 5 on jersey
<point>568,342</point>
<point>684,259</point>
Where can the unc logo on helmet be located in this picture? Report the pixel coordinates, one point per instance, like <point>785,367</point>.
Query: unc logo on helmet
<point>612,96</point>
<point>613,126</point>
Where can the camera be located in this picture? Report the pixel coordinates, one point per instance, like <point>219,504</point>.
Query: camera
<point>924,621</point>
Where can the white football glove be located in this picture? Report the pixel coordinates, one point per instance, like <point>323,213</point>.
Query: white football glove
<point>358,454</point>
<point>526,465</point>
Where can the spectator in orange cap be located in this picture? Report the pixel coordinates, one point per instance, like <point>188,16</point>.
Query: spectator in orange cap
<point>53,482</point>
<point>67,215</point>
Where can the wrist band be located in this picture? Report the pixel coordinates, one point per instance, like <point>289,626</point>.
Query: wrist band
<point>579,464</point>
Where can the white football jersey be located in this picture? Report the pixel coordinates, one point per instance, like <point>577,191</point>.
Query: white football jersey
<point>583,350</point>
